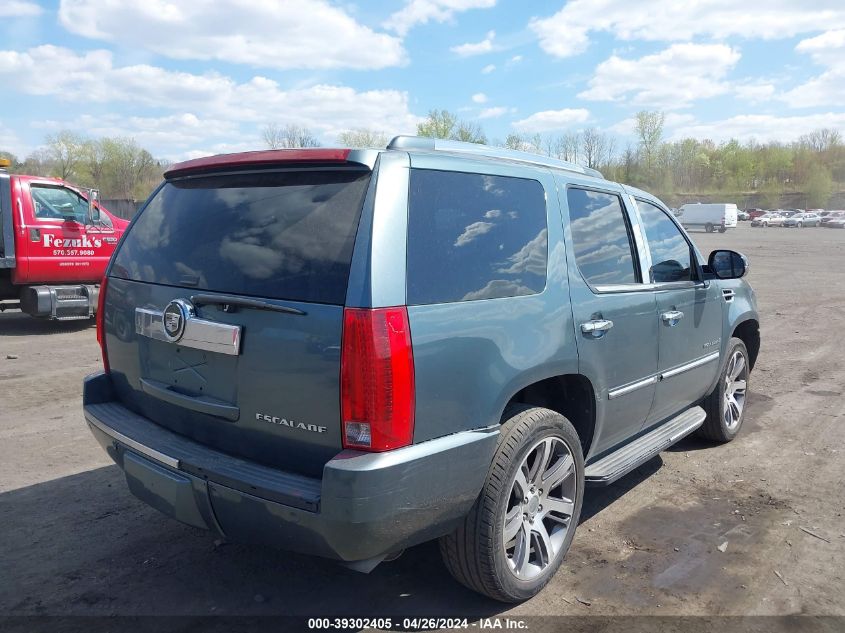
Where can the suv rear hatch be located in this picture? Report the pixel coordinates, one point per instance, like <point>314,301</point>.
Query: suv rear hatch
<point>261,257</point>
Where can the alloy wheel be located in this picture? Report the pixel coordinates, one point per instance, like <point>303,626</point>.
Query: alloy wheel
<point>736,382</point>
<point>538,516</point>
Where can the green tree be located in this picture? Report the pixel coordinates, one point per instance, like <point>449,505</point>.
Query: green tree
<point>649,129</point>
<point>439,124</point>
<point>469,133</point>
<point>772,193</point>
<point>819,187</point>
<point>66,149</point>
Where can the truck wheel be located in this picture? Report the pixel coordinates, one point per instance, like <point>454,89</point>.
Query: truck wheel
<point>725,405</point>
<point>708,227</point>
<point>521,526</point>
<point>722,229</point>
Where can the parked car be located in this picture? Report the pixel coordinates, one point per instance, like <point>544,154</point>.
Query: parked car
<point>743,216</point>
<point>768,219</point>
<point>755,213</point>
<point>349,352</point>
<point>832,215</point>
<point>836,223</point>
<point>800,220</point>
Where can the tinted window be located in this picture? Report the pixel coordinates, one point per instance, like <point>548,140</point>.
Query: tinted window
<point>670,252</point>
<point>472,236</point>
<point>601,237</point>
<point>276,235</point>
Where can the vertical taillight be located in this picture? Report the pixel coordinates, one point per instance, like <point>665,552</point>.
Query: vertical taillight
<point>377,379</point>
<point>101,322</point>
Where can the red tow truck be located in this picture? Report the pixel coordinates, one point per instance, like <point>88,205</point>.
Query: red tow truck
<point>55,243</point>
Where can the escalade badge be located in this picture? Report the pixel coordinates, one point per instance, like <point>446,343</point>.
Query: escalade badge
<point>272,419</point>
<point>174,318</point>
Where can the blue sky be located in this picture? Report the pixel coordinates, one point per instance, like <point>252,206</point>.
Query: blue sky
<point>187,78</point>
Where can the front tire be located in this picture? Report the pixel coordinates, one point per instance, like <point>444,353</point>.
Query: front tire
<point>518,531</point>
<point>725,405</point>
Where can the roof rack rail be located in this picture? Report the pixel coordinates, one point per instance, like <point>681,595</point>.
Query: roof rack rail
<point>486,151</point>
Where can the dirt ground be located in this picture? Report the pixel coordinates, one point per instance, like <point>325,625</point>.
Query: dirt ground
<point>74,541</point>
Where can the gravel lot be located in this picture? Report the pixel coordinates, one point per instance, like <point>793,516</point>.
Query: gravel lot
<point>74,541</point>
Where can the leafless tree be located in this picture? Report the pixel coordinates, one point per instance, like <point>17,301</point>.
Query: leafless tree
<point>288,136</point>
<point>362,137</point>
<point>571,145</point>
<point>592,146</point>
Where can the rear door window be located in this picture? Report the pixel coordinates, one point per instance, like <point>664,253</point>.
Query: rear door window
<point>280,235</point>
<point>475,236</point>
<point>601,238</point>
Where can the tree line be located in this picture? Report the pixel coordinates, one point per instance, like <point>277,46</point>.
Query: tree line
<point>118,167</point>
<point>677,170</point>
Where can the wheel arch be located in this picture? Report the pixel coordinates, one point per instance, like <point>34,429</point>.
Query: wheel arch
<point>748,331</point>
<point>571,395</point>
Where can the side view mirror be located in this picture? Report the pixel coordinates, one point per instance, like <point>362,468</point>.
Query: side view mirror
<point>93,207</point>
<point>728,264</point>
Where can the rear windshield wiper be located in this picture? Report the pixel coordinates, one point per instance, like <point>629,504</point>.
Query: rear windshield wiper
<point>231,302</point>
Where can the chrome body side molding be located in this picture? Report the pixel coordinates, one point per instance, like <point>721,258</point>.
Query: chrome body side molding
<point>654,378</point>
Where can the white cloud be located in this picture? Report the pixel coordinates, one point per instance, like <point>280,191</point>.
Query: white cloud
<point>423,11</point>
<point>474,230</point>
<point>262,33</point>
<point>761,127</point>
<point>755,91</point>
<point>172,135</point>
<point>549,120</point>
<point>212,99</point>
<point>492,113</point>
<point>672,78</point>
<point>489,68</point>
<point>826,48</point>
<point>566,33</point>
<point>828,88</point>
<point>479,97</point>
<point>475,48</point>
<point>19,9</point>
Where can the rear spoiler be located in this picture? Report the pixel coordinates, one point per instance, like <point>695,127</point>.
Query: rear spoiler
<point>257,159</point>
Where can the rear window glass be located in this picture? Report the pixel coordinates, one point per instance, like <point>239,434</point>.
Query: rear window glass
<point>474,236</point>
<point>283,235</point>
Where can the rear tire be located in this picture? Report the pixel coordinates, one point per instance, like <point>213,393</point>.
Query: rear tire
<point>476,553</point>
<point>708,227</point>
<point>725,406</point>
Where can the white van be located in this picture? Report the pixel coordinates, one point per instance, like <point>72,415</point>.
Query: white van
<point>716,216</point>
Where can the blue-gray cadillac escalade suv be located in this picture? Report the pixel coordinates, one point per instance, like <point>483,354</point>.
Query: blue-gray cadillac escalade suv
<point>349,352</point>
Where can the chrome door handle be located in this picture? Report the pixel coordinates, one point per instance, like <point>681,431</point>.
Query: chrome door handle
<point>596,327</point>
<point>672,317</point>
